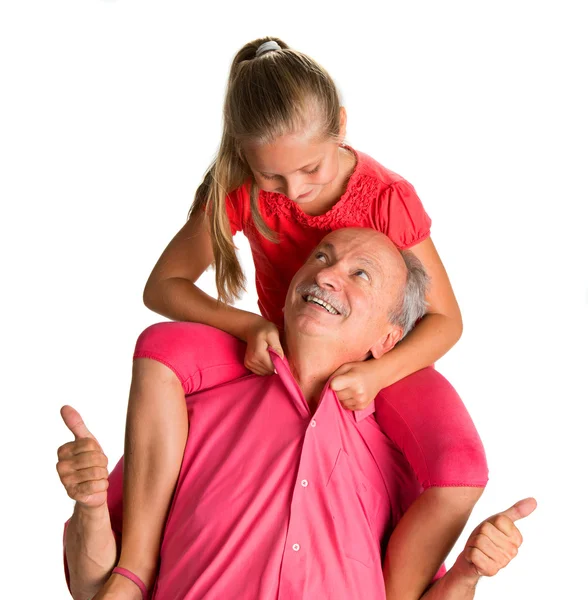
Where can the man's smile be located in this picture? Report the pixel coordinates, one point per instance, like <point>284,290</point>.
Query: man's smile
<point>328,307</point>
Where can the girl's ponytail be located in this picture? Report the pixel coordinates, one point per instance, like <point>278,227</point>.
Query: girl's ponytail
<point>224,175</point>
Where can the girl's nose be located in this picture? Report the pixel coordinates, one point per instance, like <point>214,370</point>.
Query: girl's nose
<point>294,188</point>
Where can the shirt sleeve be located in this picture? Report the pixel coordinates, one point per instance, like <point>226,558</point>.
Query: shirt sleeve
<point>202,357</point>
<point>401,215</point>
<point>423,415</point>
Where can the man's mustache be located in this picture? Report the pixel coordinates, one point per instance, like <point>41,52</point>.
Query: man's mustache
<point>312,289</point>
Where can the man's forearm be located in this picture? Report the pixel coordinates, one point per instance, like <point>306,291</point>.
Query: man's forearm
<point>90,549</point>
<point>454,585</point>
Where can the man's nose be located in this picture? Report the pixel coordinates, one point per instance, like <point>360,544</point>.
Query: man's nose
<point>329,278</point>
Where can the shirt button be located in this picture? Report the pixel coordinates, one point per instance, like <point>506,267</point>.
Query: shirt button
<point>296,547</point>
<point>304,483</point>
<point>313,423</point>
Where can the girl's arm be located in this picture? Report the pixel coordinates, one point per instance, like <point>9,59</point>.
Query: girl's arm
<point>427,421</point>
<point>170,289</point>
<point>434,334</point>
<point>357,384</point>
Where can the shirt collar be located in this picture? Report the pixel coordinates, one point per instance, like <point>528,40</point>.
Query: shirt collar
<point>283,370</point>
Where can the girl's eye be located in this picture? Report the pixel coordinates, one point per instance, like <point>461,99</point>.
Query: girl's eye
<point>362,274</point>
<point>315,170</point>
<point>269,176</point>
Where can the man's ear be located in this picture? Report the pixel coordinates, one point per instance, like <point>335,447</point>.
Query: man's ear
<point>386,342</point>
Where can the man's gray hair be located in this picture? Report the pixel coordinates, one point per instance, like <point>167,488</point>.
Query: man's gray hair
<point>412,305</point>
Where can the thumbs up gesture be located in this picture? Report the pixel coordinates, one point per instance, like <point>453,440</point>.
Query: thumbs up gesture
<point>495,542</point>
<point>82,464</point>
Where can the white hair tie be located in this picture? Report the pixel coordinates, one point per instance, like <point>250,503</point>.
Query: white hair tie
<point>267,47</point>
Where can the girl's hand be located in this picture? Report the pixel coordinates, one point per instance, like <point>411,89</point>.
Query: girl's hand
<point>356,384</point>
<point>261,336</point>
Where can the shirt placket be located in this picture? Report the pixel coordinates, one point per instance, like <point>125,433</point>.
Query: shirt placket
<point>320,446</point>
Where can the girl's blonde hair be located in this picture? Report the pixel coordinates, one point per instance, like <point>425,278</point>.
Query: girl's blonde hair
<point>279,92</point>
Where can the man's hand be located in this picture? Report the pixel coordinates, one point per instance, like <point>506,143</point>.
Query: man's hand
<point>494,543</point>
<point>356,384</point>
<point>261,336</point>
<point>82,463</point>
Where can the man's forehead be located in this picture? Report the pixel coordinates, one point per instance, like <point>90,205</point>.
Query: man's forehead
<point>356,249</point>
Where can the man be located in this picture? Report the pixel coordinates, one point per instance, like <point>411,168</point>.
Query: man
<point>282,492</point>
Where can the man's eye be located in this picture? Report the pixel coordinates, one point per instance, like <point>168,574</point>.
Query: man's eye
<point>361,273</point>
<point>321,256</point>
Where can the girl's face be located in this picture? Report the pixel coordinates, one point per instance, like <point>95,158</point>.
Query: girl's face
<point>295,165</point>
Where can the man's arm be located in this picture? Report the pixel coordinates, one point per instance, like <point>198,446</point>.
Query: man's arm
<point>490,547</point>
<point>89,542</point>
<point>90,550</point>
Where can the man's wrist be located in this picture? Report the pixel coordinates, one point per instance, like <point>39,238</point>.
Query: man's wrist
<point>463,574</point>
<point>92,515</point>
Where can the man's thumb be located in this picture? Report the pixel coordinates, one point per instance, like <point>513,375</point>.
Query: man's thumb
<point>74,422</point>
<point>520,510</point>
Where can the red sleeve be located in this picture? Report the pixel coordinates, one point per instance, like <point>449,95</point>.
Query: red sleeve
<point>202,357</point>
<point>401,215</point>
<point>424,416</point>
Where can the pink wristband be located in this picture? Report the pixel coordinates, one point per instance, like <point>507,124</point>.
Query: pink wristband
<point>130,575</point>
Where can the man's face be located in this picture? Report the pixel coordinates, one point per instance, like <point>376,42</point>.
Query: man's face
<point>345,291</point>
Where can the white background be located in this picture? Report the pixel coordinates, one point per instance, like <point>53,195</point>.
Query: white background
<point>111,113</point>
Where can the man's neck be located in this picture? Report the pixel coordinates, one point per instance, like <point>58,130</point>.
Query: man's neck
<point>312,363</point>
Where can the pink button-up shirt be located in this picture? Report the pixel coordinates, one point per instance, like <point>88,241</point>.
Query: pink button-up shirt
<point>275,502</point>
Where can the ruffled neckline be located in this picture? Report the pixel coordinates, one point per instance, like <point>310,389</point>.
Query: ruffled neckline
<point>351,206</point>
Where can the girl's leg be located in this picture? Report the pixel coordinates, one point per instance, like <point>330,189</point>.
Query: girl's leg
<point>424,416</point>
<point>156,433</point>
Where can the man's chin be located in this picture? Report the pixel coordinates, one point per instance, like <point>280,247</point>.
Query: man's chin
<point>312,325</point>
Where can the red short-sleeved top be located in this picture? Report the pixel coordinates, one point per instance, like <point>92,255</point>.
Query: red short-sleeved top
<point>375,197</point>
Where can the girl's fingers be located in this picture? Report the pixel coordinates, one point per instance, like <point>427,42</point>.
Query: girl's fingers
<point>345,395</point>
<point>258,367</point>
<point>273,341</point>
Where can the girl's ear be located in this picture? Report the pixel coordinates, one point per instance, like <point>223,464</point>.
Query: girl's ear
<point>342,123</point>
<point>386,342</point>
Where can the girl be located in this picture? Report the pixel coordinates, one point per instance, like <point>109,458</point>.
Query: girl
<point>284,177</point>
